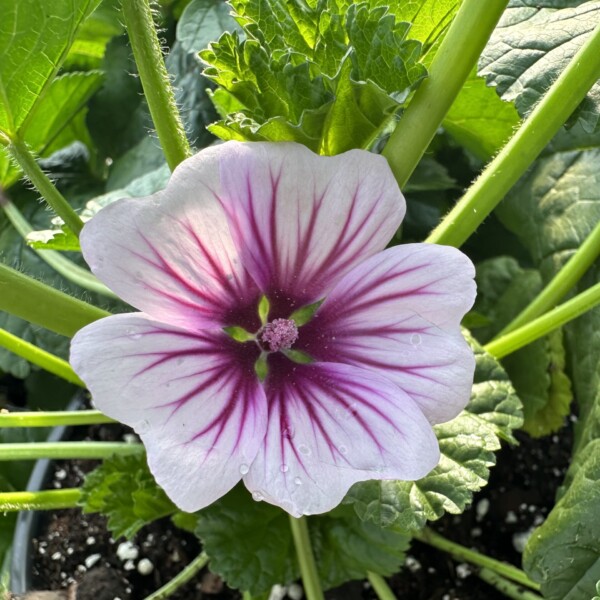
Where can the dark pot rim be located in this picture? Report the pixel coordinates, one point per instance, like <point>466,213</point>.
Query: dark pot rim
<point>28,521</point>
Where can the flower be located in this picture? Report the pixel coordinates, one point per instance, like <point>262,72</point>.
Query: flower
<point>278,342</point>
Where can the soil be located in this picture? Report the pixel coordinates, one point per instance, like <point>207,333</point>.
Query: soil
<point>75,552</point>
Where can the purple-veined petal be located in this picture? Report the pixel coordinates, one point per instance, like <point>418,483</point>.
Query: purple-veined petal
<point>331,425</point>
<point>171,254</point>
<point>302,221</point>
<point>193,399</point>
<point>399,313</point>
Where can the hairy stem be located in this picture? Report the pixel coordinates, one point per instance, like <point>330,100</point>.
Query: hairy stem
<point>47,361</point>
<point>62,265</point>
<point>562,282</point>
<point>538,328</point>
<point>508,588</point>
<point>67,450</point>
<point>41,304</point>
<point>382,589</point>
<point>44,185</point>
<point>459,552</point>
<point>155,80</point>
<point>523,148</point>
<point>306,559</point>
<point>53,418</point>
<point>41,500</point>
<point>180,579</point>
<point>450,68</point>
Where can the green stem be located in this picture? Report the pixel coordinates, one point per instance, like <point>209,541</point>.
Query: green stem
<point>43,500</point>
<point>67,450</point>
<point>306,559</point>
<point>41,304</point>
<point>545,324</point>
<point>44,185</point>
<point>180,579</point>
<point>524,147</point>
<point>52,418</point>
<point>459,552</point>
<point>68,269</point>
<point>382,589</point>
<point>37,356</point>
<point>562,282</point>
<point>155,80</point>
<point>508,588</point>
<point>450,68</point>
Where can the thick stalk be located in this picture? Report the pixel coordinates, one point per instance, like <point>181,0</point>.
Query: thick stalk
<point>306,559</point>
<point>62,265</point>
<point>44,185</point>
<point>180,579</point>
<point>67,450</point>
<point>155,80</point>
<point>450,68</point>
<point>545,324</point>
<point>43,500</point>
<point>524,147</point>
<point>562,282</point>
<point>41,304</point>
<point>508,588</point>
<point>460,553</point>
<point>382,589</point>
<point>37,356</point>
<point>54,418</point>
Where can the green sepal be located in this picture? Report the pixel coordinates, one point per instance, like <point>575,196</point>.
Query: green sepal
<point>239,334</point>
<point>264,306</point>
<point>260,366</point>
<point>297,356</point>
<point>306,313</point>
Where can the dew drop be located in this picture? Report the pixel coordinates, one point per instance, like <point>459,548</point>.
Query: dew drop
<point>179,361</point>
<point>415,339</point>
<point>298,481</point>
<point>257,496</point>
<point>244,469</point>
<point>143,427</point>
<point>284,468</point>
<point>343,450</point>
<point>303,449</point>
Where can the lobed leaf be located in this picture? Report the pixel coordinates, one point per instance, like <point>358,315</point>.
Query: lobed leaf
<point>251,545</point>
<point>467,445</point>
<point>123,489</point>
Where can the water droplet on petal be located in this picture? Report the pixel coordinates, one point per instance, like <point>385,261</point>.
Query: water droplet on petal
<point>298,481</point>
<point>143,427</point>
<point>343,450</point>
<point>284,468</point>
<point>415,339</point>
<point>133,334</point>
<point>304,449</point>
<point>244,469</point>
<point>257,496</point>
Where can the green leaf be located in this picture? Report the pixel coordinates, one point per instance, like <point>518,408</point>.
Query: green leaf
<point>538,370</point>
<point>531,47</point>
<point>89,46</point>
<point>62,239</point>
<point>251,546</point>
<point>564,553</point>
<point>35,37</point>
<point>327,74</point>
<point>479,120</point>
<point>467,445</point>
<point>553,209</point>
<point>123,489</point>
<point>202,22</point>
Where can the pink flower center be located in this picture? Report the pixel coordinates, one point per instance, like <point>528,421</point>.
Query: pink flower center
<point>279,334</point>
